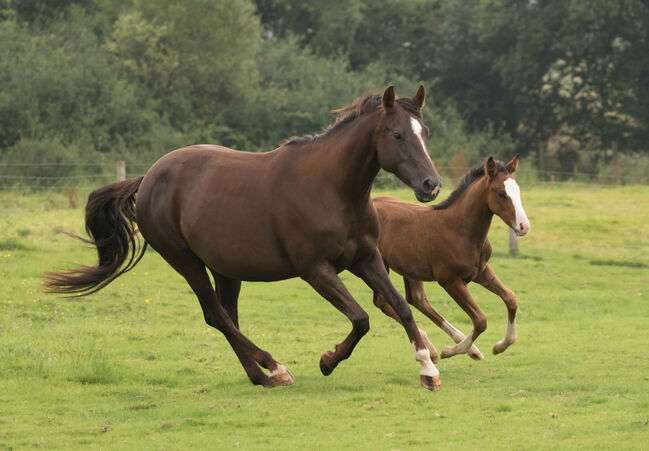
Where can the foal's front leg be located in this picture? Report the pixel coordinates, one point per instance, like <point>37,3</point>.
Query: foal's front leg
<point>374,274</point>
<point>457,289</point>
<point>488,279</point>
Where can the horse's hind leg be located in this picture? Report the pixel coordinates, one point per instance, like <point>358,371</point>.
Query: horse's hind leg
<point>227,290</point>
<point>488,279</point>
<point>416,296</point>
<point>460,294</point>
<point>193,270</point>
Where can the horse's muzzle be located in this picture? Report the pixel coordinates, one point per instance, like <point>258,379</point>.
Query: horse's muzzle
<point>428,191</point>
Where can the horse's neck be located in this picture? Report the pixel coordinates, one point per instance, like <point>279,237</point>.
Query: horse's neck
<point>470,212</point>
<point>348,158</point>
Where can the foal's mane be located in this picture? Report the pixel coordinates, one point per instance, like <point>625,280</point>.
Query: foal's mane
<point>474,174</point>
<point>346,114</point>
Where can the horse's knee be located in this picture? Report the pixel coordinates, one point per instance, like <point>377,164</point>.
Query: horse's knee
<point>361,325</point>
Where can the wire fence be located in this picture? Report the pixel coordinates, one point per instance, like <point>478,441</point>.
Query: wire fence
<point>26,177</point>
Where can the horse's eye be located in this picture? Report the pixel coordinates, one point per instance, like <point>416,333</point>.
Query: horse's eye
<point>398,136</point>
<point>502,195</point>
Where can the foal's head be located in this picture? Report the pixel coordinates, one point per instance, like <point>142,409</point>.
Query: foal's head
<point>400,139</point>
<point>504,195</point>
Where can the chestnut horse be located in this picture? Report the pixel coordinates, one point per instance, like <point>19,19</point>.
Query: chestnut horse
<point>303,210</point>
<point>448,243</point>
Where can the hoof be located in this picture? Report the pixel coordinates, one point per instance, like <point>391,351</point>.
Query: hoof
<point>281,376</point>
<point>326,363</point>
<point>448,351</point>
<point>501,346</point>
<point>432,383</point>
<point>475,353</point>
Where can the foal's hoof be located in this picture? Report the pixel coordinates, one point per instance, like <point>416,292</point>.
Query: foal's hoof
<point>448,351</point>
<point>432,383</point>
<point>327,364</point>
<point>281,376</point>
<point>501,346</point>
<point>475,353</point>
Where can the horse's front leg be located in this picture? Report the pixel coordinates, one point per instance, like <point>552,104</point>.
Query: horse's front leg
<point>457,289</point>
<point>374,274</point>
<point>325,281</point>
<point>488,279</point>
<point>416,296</point>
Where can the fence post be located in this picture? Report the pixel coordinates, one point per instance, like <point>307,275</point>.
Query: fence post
<point>513,243</point>
<point>121,170</point>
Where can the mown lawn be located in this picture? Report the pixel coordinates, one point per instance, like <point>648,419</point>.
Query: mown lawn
<point>135,366</point>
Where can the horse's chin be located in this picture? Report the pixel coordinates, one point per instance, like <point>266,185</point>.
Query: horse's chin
<point>421,197</point>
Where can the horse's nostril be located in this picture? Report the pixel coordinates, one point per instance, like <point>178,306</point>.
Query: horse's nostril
<point>429,185</point>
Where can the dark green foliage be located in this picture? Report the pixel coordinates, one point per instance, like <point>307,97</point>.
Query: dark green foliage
<point>564,82</point>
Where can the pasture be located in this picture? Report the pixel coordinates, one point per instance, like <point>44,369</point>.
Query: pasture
<point>136,367</point>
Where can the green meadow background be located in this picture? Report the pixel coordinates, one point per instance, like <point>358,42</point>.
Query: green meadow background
<point>136,367</point>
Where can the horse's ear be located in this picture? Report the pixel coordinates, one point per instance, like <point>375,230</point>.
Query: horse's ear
<point>512,165</point>
<point>420,97</point>
<point>388,98</point>
<point>490,168</point>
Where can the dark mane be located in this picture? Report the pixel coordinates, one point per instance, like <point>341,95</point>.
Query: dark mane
<point>364,104</point>
<point>470,177</point>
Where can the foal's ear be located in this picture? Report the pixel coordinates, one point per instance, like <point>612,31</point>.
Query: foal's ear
<point>512,165</point>
<point>490,168</point>
<point>420,97</point>
<point>388,98</point>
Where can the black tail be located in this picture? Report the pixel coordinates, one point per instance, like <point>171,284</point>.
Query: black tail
<point>110,222</point>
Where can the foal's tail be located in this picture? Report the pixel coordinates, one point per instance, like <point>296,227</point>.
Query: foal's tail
<point>110,223</point>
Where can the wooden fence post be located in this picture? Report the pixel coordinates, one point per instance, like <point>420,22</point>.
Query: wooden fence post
<point>513,243</point>
<point>121,170</point>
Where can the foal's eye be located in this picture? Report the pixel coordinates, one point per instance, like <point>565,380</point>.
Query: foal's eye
<point>502,195</point>
<point>398,136</point>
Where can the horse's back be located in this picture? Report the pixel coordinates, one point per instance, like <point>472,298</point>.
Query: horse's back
<point>216,201</point>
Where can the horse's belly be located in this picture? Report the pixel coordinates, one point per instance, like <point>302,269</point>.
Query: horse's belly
<point>243,254</point>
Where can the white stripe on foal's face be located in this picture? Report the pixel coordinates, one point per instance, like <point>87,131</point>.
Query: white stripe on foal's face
<point>522,225</point>
<point>417,129</point>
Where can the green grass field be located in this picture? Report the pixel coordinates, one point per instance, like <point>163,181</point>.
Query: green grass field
<point>136,367</point>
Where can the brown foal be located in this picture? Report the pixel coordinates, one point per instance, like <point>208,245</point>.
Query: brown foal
<point>302,210</point>
<point>448,243</point>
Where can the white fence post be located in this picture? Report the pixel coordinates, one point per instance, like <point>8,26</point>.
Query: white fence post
<point>121,170</point>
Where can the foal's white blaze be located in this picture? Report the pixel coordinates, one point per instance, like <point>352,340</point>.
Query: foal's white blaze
<point>417,129</point>
<point>422,356</point>
<point>512,189</point>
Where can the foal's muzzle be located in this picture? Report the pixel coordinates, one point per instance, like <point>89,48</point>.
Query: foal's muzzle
<point>428,190</point>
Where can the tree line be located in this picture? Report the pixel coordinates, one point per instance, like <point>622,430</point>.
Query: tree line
<point>563,82</point>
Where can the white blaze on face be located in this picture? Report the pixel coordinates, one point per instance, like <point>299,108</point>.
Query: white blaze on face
<point>512,189</point>
<point>417,129</point>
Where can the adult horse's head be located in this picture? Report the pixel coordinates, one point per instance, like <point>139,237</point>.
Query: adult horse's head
<point>400,140</point>
<point>504,195</point>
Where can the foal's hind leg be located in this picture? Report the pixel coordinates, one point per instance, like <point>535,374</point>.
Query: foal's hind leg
<point>488,279</point>
<point>459,292</point>
<point>416,296</point>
